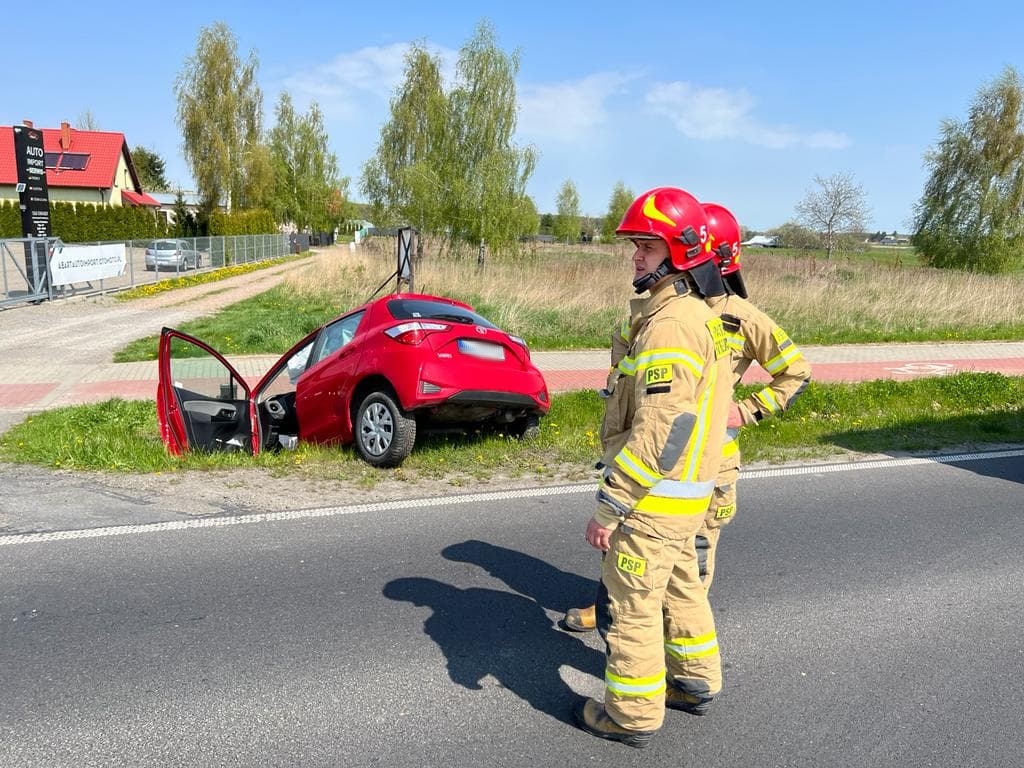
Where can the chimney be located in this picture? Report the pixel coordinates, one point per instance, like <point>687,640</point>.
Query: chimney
<point>27,123</point>
<point>65,136</point>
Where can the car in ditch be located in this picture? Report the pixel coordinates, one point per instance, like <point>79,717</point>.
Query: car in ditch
<point>376,377</point>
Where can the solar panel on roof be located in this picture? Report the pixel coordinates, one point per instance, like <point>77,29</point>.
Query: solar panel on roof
<point>67,161</point>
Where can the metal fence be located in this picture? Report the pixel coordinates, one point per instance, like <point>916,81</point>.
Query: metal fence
<point>25,274</point>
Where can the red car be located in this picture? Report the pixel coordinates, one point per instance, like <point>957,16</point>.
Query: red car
<point>375,376</point>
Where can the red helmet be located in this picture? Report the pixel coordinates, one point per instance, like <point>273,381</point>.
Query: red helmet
<point>674,216</point>
<point>724,236</point>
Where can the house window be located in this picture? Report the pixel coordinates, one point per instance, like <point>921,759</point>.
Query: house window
<point>67,161</point>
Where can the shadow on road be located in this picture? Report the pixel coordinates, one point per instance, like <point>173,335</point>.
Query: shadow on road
<point>508,636</point>
<point>553,588</point>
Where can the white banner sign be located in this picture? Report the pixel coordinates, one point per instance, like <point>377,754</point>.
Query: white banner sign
<point>84,263</point>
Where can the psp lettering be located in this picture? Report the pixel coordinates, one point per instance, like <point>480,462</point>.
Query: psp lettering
<point>632,565</point>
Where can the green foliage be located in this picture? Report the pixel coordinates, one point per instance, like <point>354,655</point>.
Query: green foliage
<point>149,167</point>
<point>971,214</point>
<point>252,222</point>
<point>620,200</point>
<point>88,223</point>
<point>219,113</point>
<point>792,235</point>
<point>307,190</point>
<point>445,163</point>
<point>10,219</point>
<point>566,228</point>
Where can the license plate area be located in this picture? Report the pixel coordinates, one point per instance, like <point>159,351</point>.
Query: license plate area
<point>482,349</point>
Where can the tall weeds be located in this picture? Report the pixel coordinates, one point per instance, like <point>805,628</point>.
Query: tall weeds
<point>571,296</point>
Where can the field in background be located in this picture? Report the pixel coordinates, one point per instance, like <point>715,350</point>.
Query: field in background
<point>572,297</point>
<point>877,295</point>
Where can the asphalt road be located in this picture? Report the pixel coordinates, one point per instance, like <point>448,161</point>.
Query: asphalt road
<point>869,616</point>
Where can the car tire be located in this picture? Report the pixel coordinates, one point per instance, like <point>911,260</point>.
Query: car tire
<point>526,428</point>
<point>384,433</point>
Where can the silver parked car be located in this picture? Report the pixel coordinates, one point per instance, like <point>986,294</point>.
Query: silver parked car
<point>173,254</point>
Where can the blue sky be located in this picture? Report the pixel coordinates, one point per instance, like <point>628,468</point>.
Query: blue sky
<point>740,103</point>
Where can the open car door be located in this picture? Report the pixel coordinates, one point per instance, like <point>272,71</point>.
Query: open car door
<point>202,403</point>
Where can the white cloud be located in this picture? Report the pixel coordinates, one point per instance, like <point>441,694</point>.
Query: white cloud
<point>717,113</point>
<point>343,86</point>
<point>567,111</point>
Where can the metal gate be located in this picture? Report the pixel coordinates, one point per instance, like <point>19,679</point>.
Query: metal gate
<point>25,269</point>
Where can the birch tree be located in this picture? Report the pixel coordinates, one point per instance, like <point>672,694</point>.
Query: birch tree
<point>219,113</point>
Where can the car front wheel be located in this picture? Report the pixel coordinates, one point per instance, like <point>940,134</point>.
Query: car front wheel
<point>384,434</point>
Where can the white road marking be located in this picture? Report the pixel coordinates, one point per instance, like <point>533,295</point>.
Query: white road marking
<point>558,490</point>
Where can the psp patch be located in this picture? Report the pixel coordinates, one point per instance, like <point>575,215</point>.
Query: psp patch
<point>658,379</point>
<point>635,566</point>
<point>724,511</point>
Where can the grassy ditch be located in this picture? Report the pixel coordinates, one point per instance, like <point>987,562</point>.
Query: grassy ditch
<point>831,421</point>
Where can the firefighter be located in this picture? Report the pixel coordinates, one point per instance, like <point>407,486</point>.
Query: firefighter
<point>665,424</point>
<point>753,337</point>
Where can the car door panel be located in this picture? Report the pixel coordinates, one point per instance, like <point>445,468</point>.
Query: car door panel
<point>202,401</point>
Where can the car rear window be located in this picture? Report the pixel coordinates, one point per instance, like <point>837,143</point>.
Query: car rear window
<point>166,245</point>
<point>408,309</point>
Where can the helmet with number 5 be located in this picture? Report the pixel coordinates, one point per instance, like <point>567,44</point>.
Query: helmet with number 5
<point>724,235</point>
<point>677,217</point>
<point>674,216</point>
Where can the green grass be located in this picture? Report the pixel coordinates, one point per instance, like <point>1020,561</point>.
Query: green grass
<point>963,411</point>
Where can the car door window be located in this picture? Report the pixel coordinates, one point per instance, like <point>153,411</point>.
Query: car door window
<point>335,336</point>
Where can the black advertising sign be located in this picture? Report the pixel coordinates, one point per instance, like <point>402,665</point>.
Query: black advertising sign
<point>33,195</point>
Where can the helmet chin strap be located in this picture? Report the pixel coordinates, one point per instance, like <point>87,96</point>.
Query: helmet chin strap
<point>646,282</point>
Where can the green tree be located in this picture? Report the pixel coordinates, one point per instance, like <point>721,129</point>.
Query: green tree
<point>403,180</point>
<point>838,206</point>
<point>445,162</point>
<point>971,213</point>
<point>307,187</point>
<point>566,227</point>
<point>219,113</point>
<point>792,235</point>
<point>620,200</point>
<point>150,169</point>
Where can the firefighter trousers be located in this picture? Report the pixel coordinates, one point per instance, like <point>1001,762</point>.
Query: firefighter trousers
<point>654,615</point>
<point>720,513</point>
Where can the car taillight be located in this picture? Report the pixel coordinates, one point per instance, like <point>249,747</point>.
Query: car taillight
<point>414,332</point>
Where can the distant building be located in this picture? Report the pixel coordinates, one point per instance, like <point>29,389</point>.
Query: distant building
<point>81,167</point>
<point>168,202</point>
<point>763,241</point>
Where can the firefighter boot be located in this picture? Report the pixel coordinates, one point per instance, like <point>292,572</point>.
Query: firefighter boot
<point>686,696</point>
<point>592,717</point>
<point>580,619</point>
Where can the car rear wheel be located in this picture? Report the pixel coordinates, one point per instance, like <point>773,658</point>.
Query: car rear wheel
<point>384,434</point>
<point>526,428</point>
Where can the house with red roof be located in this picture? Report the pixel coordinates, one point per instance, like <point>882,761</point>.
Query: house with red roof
<point>81,167</point>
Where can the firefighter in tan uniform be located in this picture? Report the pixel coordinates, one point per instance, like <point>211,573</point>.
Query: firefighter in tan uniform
<point>753,337</point>
<point>666,420</point>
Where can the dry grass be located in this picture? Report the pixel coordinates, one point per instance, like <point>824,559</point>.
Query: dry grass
<point>583,290</point>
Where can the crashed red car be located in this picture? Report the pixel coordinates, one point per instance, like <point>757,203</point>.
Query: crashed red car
<point>376,376</point>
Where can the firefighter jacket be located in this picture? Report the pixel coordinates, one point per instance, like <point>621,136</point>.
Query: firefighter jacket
<point>754,336</point>
<point>665,414</point>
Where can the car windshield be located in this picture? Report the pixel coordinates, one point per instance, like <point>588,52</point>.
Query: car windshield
<point>409,309</point>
